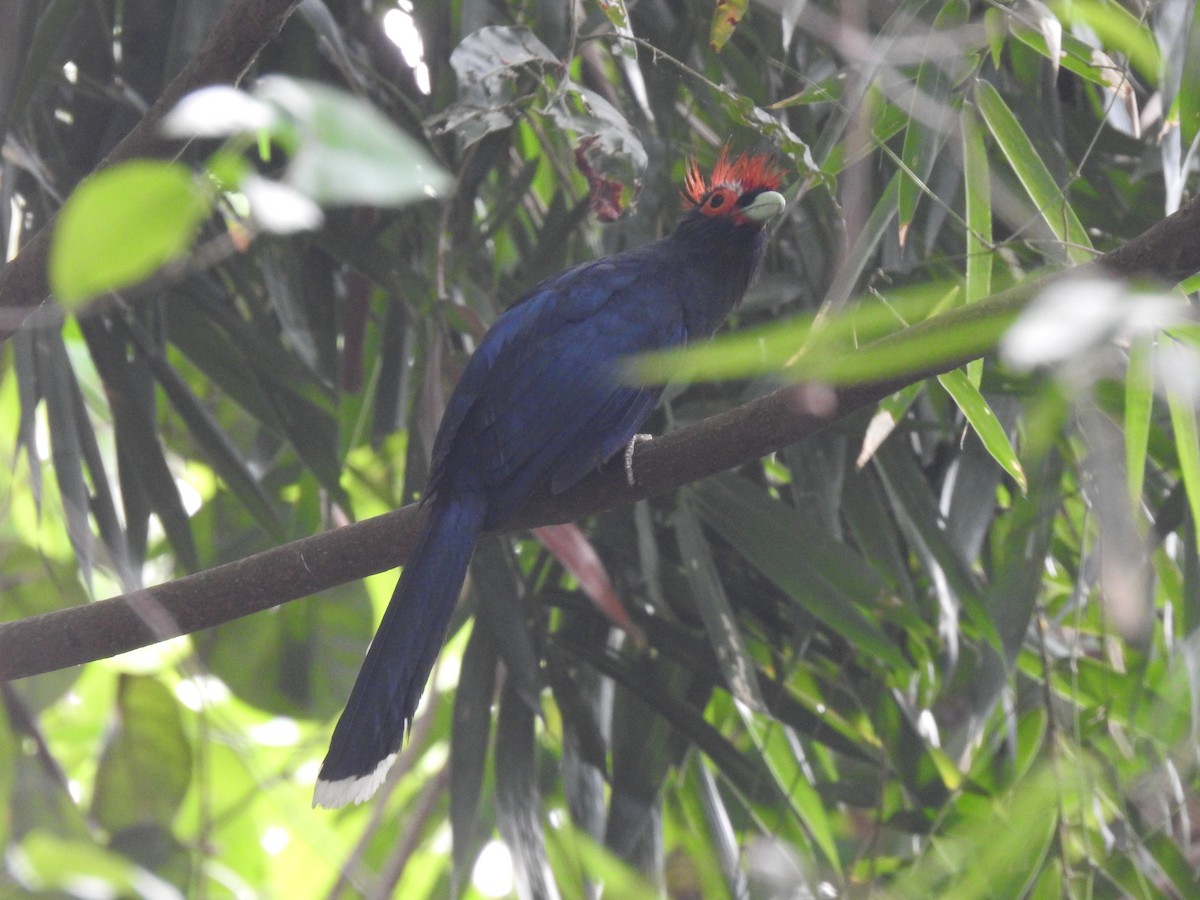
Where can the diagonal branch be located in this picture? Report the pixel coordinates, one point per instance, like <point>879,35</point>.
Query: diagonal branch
<point>1170,250</point>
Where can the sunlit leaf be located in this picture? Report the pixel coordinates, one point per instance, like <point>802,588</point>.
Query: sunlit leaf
<point>1139,403</point>
<point>218,111</point>
<point>984,422</point>
<point>349,152</point>
<point>123,224</point>
<point>50,863</point>
<point>1073,316</point>
<point>929,115</point>
<point>278,208</point>
<point>146,765</point>
<point>1048,198</point>
<point>726,16</point>
<point>1187,102</point>
<point>1047,25</point>
<point>1181,400</point>
<point>1118,29</point>
<point>887,416</point>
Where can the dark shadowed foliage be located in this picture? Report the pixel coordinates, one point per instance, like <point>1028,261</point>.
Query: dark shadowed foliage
<point>945,646</point>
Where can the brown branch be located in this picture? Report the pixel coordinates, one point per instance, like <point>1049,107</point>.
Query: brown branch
<point>748,432</point>
<point>245,28</point>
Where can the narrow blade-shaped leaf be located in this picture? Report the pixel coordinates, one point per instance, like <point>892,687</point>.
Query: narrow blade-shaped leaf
<point>736,663</point>
<point>1139,404</point>
<point>1181,402</point>
<point>829,580</point>
<point>984,422</point>
<point>1022,156</point>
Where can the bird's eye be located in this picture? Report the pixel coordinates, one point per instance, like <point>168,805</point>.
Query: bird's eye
<point>719,201</point>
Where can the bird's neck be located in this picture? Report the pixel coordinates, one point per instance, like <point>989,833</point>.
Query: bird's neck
<point>726,261</point>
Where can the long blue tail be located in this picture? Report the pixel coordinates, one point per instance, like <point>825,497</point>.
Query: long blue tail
<point>393,676</point>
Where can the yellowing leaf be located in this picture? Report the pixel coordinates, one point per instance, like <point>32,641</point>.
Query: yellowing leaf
<point>726,18</point>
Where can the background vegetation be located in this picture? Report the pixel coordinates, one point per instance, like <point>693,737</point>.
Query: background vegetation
<point>945,647</point>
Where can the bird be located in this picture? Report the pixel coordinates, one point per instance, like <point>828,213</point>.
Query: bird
<point>540,404</point>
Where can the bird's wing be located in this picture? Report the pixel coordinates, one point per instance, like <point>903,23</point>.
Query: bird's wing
<point>541,398</point>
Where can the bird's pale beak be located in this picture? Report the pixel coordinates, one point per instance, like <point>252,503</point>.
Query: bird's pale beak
<point>764,207</point>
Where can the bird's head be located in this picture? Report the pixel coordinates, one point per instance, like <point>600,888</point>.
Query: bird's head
<point>742,191</point>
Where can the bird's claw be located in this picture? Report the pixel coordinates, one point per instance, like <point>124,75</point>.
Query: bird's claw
<point>629,449</point>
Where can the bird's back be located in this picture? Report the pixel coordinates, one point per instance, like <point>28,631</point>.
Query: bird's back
<point>542,399</point>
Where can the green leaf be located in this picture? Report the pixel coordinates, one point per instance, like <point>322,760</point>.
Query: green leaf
<point>985,423</point>
<point>716,613</point>
<point>569,846</point>
<point>1186,106</point>
<point>299,660</point>
<point>829,580</point>
<point>858,345</point>
<point>122,225</point>
<point>1118,29</point>
<point>927,125</point>
<point>1049,199</point>
<point>1139,404</point>
<point>146,765</point>
<point>977,189</point>
<point>726,17</point>
<point>349,152</point>
<point>52,865</point>
<point>1181,400</point>
<point>471,730</point>
<point>616,13</point>
<point>786,760</point>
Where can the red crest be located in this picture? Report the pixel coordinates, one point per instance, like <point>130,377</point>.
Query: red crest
<point>747,172</point>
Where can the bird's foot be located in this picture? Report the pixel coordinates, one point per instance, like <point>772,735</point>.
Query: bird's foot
<point>633,442</point>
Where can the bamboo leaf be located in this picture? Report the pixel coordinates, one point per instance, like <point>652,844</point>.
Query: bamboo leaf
<point>224,457</point>
<point>826,578</point>
<point>928,116</point>
<point>716,613</point>
<point>1048,198</point>
<point>1181,401</point>
<point>470,734</point>
<point>1186,106</point>
<point>518,799</point>
<point>1139,404</point>
<point>1118,29</point>
<point>984,422</point>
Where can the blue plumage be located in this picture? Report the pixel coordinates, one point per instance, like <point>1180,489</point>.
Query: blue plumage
<point>539,403</point>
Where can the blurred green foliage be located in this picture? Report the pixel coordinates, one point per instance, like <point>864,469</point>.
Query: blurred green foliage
<point>947,647</point>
